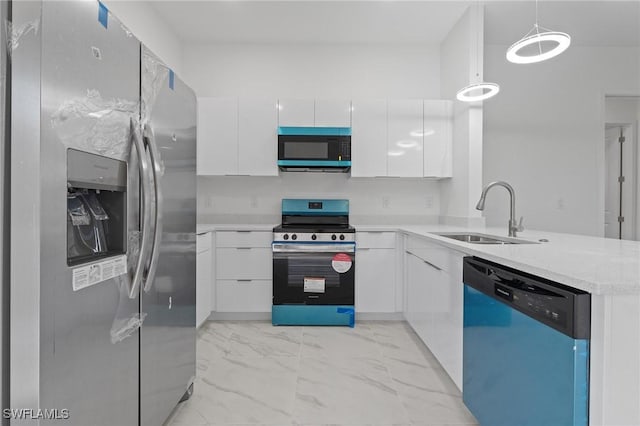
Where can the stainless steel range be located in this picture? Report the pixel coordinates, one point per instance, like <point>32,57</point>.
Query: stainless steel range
<point>314,264</point>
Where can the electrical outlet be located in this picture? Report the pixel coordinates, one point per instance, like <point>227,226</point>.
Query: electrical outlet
<point>428,201</point>
<point>385,202</point>
<point>254,201</point>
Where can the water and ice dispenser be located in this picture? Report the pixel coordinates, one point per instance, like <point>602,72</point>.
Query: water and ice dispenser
<point>96,207</point>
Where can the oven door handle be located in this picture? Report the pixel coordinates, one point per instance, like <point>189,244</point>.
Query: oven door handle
<point>313,248</point>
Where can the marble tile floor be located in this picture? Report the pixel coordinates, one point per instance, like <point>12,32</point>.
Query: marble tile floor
<point>378,373</point>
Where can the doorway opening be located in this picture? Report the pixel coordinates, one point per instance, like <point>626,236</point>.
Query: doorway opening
<point>621,168</point>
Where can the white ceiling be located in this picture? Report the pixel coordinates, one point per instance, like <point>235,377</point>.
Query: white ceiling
<point>590,23</point>
<point>605,22</point>
<point>312,21</point>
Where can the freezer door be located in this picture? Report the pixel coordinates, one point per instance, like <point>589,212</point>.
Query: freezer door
<point>90,92</point>
<point>168,335</point>
<point>4,231</point>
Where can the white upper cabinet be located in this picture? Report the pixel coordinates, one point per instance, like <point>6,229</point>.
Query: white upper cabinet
<point>257,137</point>
<point>404,142</point>
<point>438,123</point>
<point>296,113</point>
<point>237,136</point>
<point>217,136</point>
<point>332,113</point>
<point>369,138</point>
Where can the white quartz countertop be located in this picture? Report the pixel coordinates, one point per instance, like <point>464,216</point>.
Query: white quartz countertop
<point>596,265</point>
<point>210,227</point>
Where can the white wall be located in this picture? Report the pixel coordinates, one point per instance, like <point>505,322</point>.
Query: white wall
<point>342,71</point>
<point>147,25</point>
<point>244,199</point>
<point>544,134</point>
<point>460,60</point>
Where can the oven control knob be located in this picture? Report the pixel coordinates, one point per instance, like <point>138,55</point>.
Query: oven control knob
<point>313,237</point>
<point>341,236</point>
<point>333,237</point>
<point>285,236</point>
<point>294,237</point>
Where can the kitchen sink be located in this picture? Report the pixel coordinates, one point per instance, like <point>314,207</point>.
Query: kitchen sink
<point>475,238</point>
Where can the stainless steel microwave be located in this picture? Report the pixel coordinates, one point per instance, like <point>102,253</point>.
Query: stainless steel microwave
<point>324,149</point>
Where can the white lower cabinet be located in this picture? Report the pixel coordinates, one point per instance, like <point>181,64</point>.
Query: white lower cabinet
<point>375,280</point>
<point>204,278</point>
<point>243,271</point>
<point>434,304</point>
<point>244,296</point>
<point>375,272</point>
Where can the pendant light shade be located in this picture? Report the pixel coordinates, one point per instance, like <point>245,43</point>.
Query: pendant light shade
<point>480,90</point>
<point>535,37</point>
<point>477,92</point>
<point>562,40</point>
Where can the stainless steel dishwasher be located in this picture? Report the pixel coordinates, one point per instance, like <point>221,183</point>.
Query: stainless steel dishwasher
<point>525,348</point>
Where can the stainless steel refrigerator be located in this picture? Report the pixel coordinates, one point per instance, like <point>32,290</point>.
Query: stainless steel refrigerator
<point>102,217</point>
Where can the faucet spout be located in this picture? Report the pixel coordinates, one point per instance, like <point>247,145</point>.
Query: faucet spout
<point>513,226</point>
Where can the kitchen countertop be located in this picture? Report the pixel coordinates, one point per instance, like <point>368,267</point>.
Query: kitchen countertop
<point>596,265</point>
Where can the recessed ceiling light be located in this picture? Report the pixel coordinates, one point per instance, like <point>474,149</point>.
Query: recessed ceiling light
<point>395,152</point>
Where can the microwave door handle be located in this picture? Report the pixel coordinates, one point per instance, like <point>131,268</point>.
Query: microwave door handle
<point>145,189</point>
<point>156,172</point>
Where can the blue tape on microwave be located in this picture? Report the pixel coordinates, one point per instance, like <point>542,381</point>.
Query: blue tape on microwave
<point>103,15</point>
<point>172,78</point>
<point>314,131</point>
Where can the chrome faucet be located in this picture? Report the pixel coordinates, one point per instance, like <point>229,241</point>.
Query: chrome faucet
<point>513,228</point>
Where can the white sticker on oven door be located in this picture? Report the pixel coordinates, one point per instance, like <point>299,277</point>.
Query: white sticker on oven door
<point>313,285</point>
<point>86,276</point>
<point>341,263</point>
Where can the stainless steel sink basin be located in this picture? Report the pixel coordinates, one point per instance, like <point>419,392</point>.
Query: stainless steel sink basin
<point>475,238</point>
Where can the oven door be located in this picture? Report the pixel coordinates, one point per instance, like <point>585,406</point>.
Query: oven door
<point>313,274</point>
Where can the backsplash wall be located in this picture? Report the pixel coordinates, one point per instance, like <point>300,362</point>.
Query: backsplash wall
<point>244,199</point>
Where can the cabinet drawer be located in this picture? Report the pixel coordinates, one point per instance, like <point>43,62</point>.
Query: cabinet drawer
<point>376,239</point>
<point>203,242</point>
<point>244,238</point>
<point>239,263</point>
<point>434,254</point>
<point>243,296</point>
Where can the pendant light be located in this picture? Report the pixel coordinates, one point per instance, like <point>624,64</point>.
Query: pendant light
<point>480,90</point>
<point>562,40</point>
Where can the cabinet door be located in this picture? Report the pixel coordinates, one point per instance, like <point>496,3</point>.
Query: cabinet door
<point>369,138</point>
<point>296,113</point>
<point>244,296</point>
<point>332,113</point>
<point>217,136</point>
<point>452,321</point>
<point>417,297</point>
<point>204,278</point>
<point>375,280</point>
<point>438,118</point>
<point>404,143</point>
<point>257,137</point>
<point>244,263</point>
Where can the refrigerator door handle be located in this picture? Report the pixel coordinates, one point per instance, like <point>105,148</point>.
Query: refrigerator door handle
<point>156,169</point>
<point>145,207</point>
